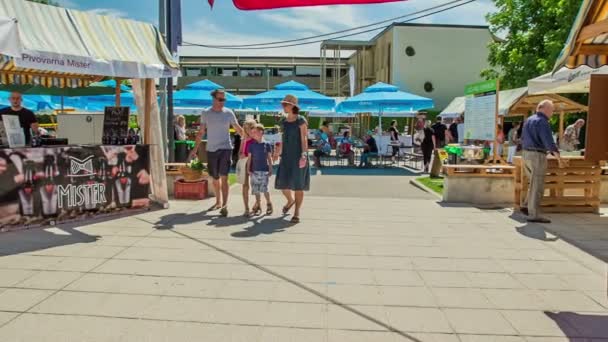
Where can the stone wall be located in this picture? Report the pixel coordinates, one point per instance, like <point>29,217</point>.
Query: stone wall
<point>476,190</point>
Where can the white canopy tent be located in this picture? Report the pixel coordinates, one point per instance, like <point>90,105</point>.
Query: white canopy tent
<point>565,81</point>
<point>454,109</point>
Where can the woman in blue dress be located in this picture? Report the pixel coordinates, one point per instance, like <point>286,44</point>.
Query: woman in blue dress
<point>293,174</point>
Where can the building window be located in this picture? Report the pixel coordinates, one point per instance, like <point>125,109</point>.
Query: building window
<point>281,72</point>
<point>308,71</point>
<point>428,87</point>
<point>192,71</point>
<point>250,72</point>
<point>228,71</point>
<point>410,51</point>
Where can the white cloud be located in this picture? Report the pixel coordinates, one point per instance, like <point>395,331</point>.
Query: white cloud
<point>313,19</point>
<point>110,12</point>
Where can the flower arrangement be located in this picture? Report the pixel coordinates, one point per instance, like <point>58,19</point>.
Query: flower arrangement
<point>193,171</point>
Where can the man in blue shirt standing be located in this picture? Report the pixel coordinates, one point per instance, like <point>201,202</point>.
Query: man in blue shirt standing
<point>537,142</point>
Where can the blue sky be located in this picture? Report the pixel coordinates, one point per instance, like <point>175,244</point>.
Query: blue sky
<point>227,25</point>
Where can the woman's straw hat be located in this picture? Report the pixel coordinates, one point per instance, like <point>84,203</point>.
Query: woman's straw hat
<point>290,99</point>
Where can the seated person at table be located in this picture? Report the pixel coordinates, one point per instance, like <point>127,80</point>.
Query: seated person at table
<point>345,149</point>
<point>370,150</point>
<point>323,148</point>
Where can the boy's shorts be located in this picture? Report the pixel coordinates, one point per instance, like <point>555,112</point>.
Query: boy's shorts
<point>259,182</point>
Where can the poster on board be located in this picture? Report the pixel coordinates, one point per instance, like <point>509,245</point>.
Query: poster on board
<point>13,131</point>
<point>115,125</point>
<point>480,111</point>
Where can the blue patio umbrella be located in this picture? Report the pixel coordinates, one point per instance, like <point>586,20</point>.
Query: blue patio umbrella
<point>31,102</point>
<point>198,95</point>
<point>384,98</point>
<point>308,100</point>
<point>103,92</point>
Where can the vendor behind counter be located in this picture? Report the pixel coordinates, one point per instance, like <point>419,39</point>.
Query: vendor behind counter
<point>27,118</point>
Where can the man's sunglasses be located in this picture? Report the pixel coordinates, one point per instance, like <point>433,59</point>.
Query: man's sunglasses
<point>221,99</point>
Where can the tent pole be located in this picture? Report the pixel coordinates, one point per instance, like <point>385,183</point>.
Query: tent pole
<point>147,108</point>
<point>117,98</point>
<point>561,125</point>
<point>495,143</point>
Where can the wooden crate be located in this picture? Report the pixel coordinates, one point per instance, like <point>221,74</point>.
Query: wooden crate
<point>486,170</point>
<point>571,189</point>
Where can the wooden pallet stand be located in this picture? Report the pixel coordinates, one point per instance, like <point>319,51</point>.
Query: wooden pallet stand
<point>573,188</point>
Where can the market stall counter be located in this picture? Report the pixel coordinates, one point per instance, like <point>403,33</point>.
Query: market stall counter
<point>49,184</point>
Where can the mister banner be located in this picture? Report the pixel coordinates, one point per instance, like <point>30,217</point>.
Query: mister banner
<point>40,185</point>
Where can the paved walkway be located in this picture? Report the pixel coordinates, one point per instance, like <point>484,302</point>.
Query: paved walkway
<point>386,268</point>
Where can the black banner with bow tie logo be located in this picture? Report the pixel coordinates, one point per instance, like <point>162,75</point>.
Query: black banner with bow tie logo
<point>40,185</point>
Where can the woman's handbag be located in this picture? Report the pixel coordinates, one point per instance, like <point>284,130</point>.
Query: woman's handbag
<point>241,171</point>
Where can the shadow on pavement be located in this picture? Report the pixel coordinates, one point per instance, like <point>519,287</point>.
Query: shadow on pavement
<point>535,231</point>
<point>169,221</point>
<point>263,226</point>
<point>25,241</point>
<point>579,327</point>
<point>351,171</point>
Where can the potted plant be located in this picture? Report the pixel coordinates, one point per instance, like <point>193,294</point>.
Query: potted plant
<point>194,171</point>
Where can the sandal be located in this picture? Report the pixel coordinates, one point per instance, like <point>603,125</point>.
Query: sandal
<point>256,211</point>
<point>269,209</point>
<point>288,207</point>
<point>214,207</point>
<point>295,220</point>
<point>224,212</point>
<point>247,213</point>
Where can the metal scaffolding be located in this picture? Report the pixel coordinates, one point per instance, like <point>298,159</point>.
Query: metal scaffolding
<point>333,83</point>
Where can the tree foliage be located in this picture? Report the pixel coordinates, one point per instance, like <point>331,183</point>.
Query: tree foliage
<point>535,32</point>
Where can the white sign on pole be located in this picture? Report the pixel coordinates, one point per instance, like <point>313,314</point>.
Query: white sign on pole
<point>480,111</point>
<point>14,133</point>
<point>480,122</point>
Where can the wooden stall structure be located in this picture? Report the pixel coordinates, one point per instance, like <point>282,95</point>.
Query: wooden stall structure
<point>78,53</point>
<point>571,189</point>
<point>588,46</point>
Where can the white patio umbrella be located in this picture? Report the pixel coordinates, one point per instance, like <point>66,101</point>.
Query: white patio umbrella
<point>565,81</point>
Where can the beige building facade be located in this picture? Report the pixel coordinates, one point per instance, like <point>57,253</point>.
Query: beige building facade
<point>434,61</point>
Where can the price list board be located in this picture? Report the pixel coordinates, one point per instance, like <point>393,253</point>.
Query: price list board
<point>480,109</point>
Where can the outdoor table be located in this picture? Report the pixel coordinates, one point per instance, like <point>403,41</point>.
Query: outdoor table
<point>46,184</point>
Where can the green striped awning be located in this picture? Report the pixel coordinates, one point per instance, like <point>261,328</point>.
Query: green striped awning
<point>68,48</point>
<point>588,40</point>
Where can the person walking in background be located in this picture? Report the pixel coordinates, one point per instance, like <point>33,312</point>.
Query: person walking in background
<point>460,129</point>
<point>180,128</point>
<point>394,133</point>
<point>453,129</point>
<point>570,141</point>
<point>439,128</point>
<point>259,167</point>
<point>513,140</point>
<point>216,122</point>
<point>242,172</point>
<point>537,141</point>
<point>428,145</point>
<point>293,174</point>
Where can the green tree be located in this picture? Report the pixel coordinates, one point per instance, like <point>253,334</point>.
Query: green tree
<point>535,32</point>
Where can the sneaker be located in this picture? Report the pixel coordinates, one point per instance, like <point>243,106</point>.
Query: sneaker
<point>539,220</point>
